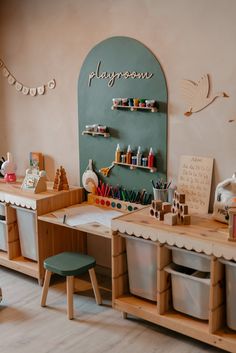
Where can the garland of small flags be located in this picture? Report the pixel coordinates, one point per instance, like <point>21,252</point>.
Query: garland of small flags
<point>32,91</point>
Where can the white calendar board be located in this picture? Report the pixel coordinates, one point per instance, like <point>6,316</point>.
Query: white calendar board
<point>195,174</point>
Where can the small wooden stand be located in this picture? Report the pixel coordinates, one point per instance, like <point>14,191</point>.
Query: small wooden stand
<point>34,181</point>
<point>60,180</point>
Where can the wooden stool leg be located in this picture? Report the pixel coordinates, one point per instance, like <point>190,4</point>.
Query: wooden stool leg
<point>70,291</point>
<point>45,287</point>
<point>94,282</point>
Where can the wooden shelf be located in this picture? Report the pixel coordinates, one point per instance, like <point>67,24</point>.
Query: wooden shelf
<point>133,108</point>
<point>20,264</point>
<point>134,166</point>
<point>94,133</point>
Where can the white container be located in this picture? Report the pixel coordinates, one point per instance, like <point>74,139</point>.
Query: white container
<point>3,236</point>
<point>190,291</point>
<point>27,233</point>
<point>191,259</point>
<point>142,267</point>
<point>2,211</point>
<point>230,271</point>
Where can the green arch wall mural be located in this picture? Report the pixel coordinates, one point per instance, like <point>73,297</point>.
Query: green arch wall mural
<point>138,128</point>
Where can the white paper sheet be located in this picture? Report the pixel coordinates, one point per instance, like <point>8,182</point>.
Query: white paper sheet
<point>86,214</point>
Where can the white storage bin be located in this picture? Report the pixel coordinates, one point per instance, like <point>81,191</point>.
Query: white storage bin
<point>142,267</point>
<point>3,236</point>
<point>190,291</point>
<point>191,259</point>
<point>230,271</point>
<point>2,212</point>
<point>27,233</point>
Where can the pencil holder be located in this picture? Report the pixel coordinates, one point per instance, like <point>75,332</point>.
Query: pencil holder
<point>160,194</point>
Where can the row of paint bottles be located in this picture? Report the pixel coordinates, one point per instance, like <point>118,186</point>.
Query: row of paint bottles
<point>128,156</point>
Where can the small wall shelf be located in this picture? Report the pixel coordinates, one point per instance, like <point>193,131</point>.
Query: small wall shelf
<point>134,166</point>
<point>93,133</point>
<point>134,108</point>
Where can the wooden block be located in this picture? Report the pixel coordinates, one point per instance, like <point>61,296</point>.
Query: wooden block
<point>185,219</point>
<point>184,208</point>
<point>152,212</point>
<point>181,198</point>
<point>157,205</point>
<point>170,219</point>
<point>173,209</point>
<point>166,207</point>
<point>160,215</point>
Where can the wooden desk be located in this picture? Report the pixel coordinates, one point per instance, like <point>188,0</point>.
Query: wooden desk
<point>12,198</point>
<point>204,234</point>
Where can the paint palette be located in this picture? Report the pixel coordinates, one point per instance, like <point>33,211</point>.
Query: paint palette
<point>114,204</point>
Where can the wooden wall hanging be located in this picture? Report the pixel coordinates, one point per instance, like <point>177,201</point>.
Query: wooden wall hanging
<point>20,87</point>
<point>197,95</point>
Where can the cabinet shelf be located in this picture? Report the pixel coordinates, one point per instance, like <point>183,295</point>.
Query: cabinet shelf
<point>94,133</point>
<point>134,166</point>
<point>134,108</point>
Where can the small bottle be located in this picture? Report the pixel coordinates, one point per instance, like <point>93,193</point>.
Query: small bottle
<point>128,155</point>
<point>139,156</point>
<point>118,154</point>
<point>151,158</point>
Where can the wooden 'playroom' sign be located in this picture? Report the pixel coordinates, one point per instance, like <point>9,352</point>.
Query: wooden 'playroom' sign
<point>195,174</point>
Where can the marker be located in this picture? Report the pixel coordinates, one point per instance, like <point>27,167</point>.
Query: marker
<point>64,219</point>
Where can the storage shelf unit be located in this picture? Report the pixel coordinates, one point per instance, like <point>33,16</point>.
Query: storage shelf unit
<point>134,108</point>
<point>13,199</point>
<point>213,331</point>
<point>134,166</point>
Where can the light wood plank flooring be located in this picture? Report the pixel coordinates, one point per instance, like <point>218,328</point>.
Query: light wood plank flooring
<point>25,327</point>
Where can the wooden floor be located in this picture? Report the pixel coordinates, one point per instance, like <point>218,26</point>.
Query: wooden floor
<point>25,327</point>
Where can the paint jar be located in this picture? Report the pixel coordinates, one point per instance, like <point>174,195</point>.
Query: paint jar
<point>116,101</point>
<point>124,102</point>
<point>144,161</point>
<point>136,102</point>
<point>150,103</point>
<point>131,102</point>
<point>134,160</point>
<point>142,103</point>
<point>102,128</point>
<point>123,158</point>
<point>89,128</point>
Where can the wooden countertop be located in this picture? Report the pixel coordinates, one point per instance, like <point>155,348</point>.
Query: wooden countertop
<point>203,234</point>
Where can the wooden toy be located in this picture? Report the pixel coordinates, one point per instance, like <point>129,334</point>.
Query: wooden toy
<point>170,219</point>
<point>180,208</point>
<point>60,180</point>
<point>34,181</point>
<point>232,223</point>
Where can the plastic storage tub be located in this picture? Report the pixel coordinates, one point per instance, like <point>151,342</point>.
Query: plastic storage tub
<point>190,291</point>
<point>27,233</point>
<point>2,212</point>
<point>230,271</point>
<point>191,259</point>
<point>3,236</point>
<point>142,267</point>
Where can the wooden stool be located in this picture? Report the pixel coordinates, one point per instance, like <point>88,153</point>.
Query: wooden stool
<point>70,264</point>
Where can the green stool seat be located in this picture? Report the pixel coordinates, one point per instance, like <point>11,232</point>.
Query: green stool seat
<point>69,263</point>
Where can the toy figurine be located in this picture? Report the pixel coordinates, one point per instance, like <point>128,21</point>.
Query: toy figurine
<point>8,169</point>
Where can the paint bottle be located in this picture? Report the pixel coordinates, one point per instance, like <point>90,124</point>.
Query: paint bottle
<point>118,153</point>
<point>128,155</point>
<point>151,158</point>
<point>139,156</point>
